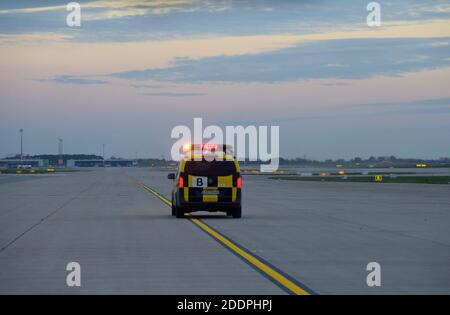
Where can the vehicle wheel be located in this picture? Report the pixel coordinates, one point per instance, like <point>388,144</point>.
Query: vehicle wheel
<point>237,213</point>
<point>179,213</point>
<point>174,210</point>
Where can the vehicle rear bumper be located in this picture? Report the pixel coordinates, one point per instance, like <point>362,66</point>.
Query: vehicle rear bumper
<point>209,206</point>
<point>191,206</point>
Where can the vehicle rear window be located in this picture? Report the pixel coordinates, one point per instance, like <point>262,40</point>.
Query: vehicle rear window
<point>213,168</point>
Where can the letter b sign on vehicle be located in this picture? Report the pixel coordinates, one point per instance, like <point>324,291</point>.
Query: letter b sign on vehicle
<point>199,181</point>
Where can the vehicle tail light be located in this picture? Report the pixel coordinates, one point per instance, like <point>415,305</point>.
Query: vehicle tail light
<point>239,182</point>
<point>181,182</point>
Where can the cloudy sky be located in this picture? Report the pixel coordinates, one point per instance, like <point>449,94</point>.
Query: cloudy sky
<point>135,69</point>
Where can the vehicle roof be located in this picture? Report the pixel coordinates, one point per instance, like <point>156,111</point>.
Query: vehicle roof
<point>199,157</point>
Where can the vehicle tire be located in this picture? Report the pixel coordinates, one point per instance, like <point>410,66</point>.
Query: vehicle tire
<point>179,213</point>
<point>237,213</point>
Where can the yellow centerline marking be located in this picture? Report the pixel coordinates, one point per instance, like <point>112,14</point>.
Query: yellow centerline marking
<point>261,266</point>
<point>253,260</point>
<point>157,194</point>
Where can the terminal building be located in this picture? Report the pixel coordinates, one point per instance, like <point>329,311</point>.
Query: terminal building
<point>38,163</point>
<point>6,163</point>
<point>101,163</point>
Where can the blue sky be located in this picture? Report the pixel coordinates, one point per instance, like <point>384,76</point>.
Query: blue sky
<point>135,69</point>
<point>343,59</point>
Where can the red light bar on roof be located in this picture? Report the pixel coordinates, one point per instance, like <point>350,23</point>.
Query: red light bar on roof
<point>209,147</point>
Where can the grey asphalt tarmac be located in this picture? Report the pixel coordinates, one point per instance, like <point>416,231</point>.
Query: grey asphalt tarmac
<point>321,234</point>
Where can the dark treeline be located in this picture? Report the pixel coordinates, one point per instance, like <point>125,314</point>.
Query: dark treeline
<point>380,161</point>
<point>53,158</point>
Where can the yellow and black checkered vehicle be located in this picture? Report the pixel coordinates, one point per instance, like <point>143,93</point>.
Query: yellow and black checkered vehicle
<point>202,184</point>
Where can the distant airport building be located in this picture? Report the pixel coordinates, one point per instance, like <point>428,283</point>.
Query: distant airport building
<point>6,163</point>
<point>101,163</point>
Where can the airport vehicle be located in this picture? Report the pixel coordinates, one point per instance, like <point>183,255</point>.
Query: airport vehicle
<point>24,167</point>
<point>208,179</point>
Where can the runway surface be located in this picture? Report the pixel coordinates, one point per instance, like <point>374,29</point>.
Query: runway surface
<point>320,235</point>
